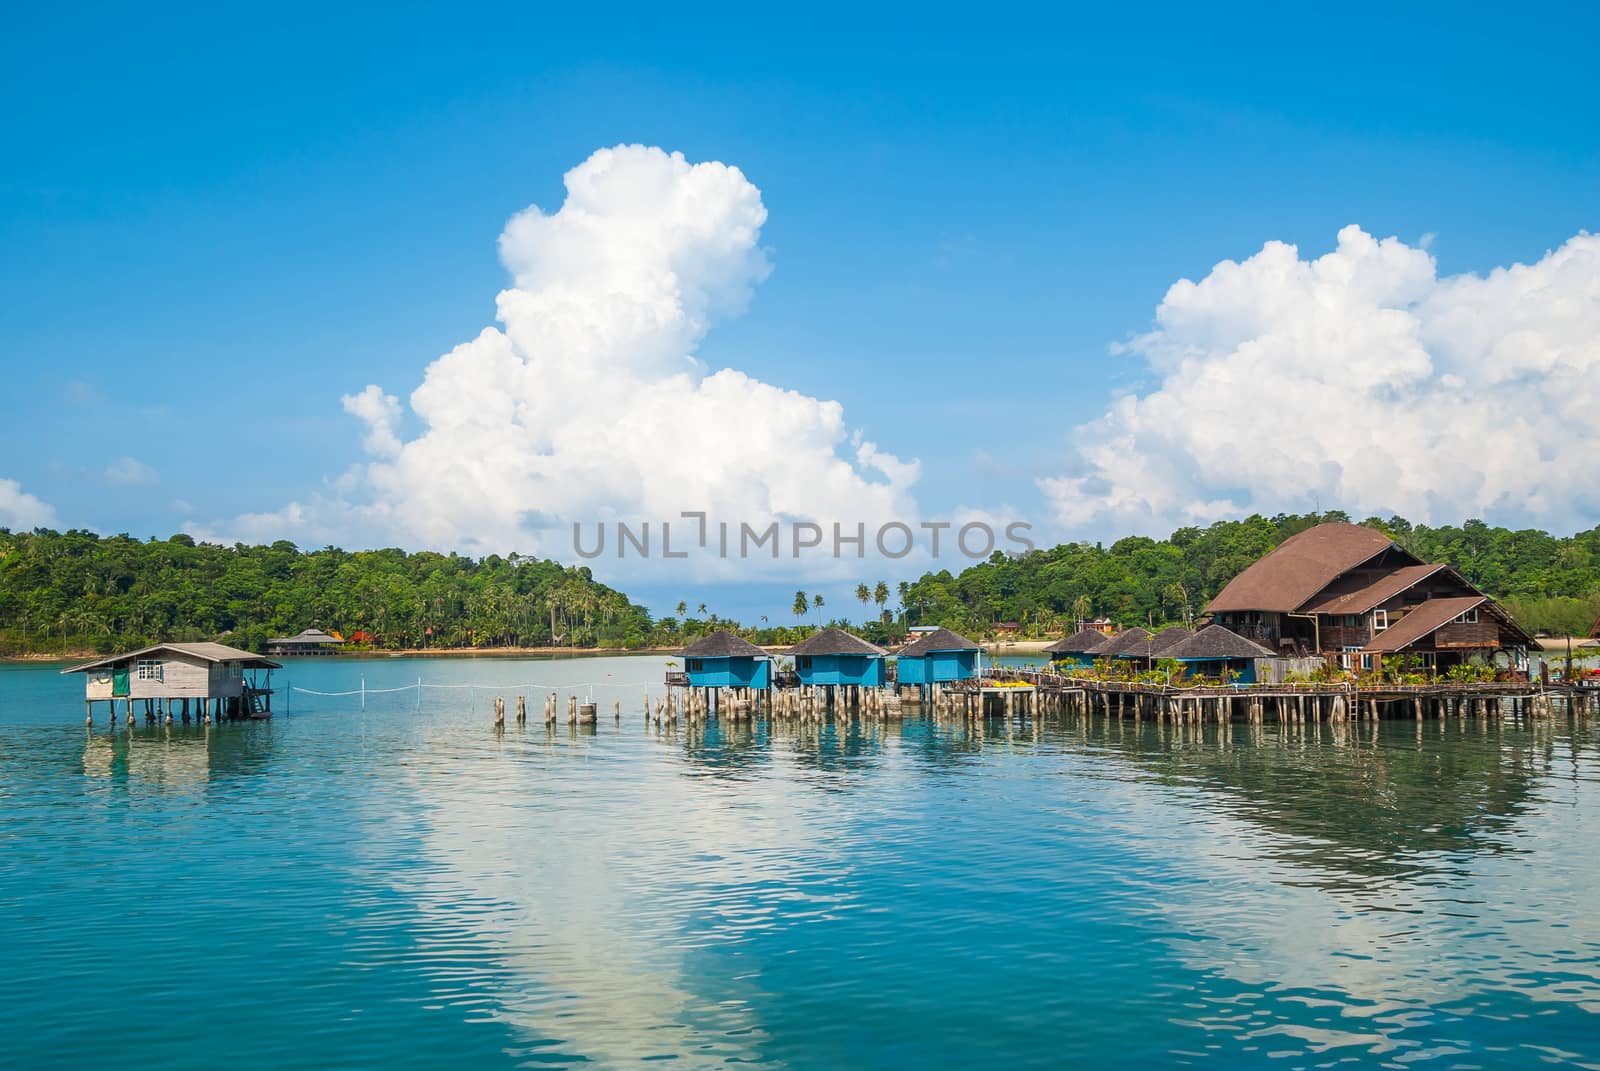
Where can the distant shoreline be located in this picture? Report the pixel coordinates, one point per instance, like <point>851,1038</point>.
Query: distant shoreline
<point>1005,647</point>
<point>1002,647</point>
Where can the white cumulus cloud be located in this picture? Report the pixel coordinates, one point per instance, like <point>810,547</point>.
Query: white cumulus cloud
<point>1361,380</point>
<point>587,403</point>
<point>130,471</point>
<point>21,511</point>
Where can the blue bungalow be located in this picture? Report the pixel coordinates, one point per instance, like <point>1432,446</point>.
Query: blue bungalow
<point>937,657</point>
<point>834,657</point>
<point>1218,652</point>
<point>723,660</point>
<point>1078,649</point>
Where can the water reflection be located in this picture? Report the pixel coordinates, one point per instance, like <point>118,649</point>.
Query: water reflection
<point>1326,890</point>
<point>177,758</point>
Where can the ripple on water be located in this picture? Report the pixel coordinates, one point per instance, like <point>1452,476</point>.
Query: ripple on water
<point>404,887</point>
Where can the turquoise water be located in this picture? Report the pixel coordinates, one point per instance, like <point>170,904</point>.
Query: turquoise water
<point>400,887</point>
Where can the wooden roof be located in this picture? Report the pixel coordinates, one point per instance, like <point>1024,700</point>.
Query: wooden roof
<point>1084,641</point>
<point>1422,622</point>
<point>1357,595</point>
<point>940,639</point>
<point>207,652</point>
<point>310,635</point>
<point>723,644</point>
<point>1168,638</point>
<point>836,641</point>
<point>1300,567</point>
<point>1215,643</point>
<point>1132,642</point>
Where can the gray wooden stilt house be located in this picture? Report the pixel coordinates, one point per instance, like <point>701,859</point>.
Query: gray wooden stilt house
<point>217,680</point>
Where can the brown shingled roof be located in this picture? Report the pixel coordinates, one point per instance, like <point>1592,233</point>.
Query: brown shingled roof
<point>1132,643</point>
<point>1422,622</point>
<point>1300,567</point>
<point>209,652</point>
<point>1357,595</point>
<point>1168,638</point>
<point>723,645</point>
<point>1084,641</point>
<point>940,639</point>
<point>835,641</point>
<point>1214,643</point>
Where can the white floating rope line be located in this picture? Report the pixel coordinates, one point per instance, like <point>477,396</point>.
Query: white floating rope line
<point>480,687</point>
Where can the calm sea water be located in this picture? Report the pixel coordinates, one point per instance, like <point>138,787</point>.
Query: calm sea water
<point>400,887</point>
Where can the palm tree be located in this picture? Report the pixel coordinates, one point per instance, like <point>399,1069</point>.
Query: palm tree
<point>801,604</point>
<point>1081,608</point>
<point>816,604</point>
<point>683,608</point>
<point>880,595</point>
<point>863,595</point>
<point>700,611</point>
<point>905,598</point>
<point>1179,594</point>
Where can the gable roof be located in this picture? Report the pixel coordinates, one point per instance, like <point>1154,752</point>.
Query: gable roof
<point>207,652</point>
<point>1215,643</point>
<point>1083,641</point>
<point>310,635</point>
<point>1422,621</point>
<point>722,644</point>
<point>1358,594</point>
<point>1134,642</point>
<point>1300,567</point>
<point>940,639</point>
<point>835,641</point>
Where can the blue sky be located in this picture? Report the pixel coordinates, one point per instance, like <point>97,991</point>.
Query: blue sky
<point>217,223</point>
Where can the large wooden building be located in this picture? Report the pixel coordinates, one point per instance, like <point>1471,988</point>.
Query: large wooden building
<point>1350,594</point>
<point>215,679</point>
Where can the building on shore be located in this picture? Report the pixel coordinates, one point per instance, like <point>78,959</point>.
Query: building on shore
<point>833,657</point>
<point>218,680</point>
<point>723,660</point>
<point>1349,594</point>
<point>936,657</point>
<point>312,641</point>
<point>1078,649</point>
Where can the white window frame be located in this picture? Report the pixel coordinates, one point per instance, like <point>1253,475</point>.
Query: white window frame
<point>1469,617</point>
<point>1380,620</point>
<point>149,669</point>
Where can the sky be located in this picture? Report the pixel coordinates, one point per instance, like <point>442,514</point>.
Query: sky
<point>436,277</point>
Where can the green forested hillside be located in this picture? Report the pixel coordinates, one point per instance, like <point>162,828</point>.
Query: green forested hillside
<point>75,590</point>
<point>1548,582</point>
<point>71,591</point>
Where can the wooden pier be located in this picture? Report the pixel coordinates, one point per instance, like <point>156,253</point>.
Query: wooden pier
<point>1287,703</point>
